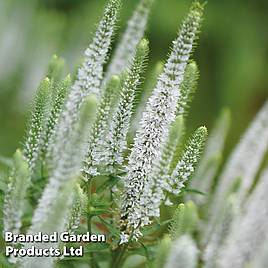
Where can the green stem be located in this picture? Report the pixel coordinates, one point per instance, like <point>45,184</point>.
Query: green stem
<point>89,220</point>
<point>89,216</point>
<point>117,261</point>
<point>119,256</point>
<point>112,201</point>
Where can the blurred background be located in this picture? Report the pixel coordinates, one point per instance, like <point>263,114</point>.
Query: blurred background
<point>232,55</point>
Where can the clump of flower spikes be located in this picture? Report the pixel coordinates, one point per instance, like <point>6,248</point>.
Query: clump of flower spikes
<point>120,124</point>
<point>108,151</point>
<point>61,137</point>
<point>246,167</point>
<point>237,225</point>
<point>54,116</point>
<point>54,207</point>
<point>159,113</point>
<point>174,183</point>
<point>69,161</point>
<point>170,80</point>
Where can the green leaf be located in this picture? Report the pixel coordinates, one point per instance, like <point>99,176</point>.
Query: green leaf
<point>108,184</point>
<point>143,250</point>
<point>194,191</point>
<point>113,231</point>
<point>95,247</point>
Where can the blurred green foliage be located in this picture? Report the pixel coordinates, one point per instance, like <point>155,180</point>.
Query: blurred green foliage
<point>233,54</point>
